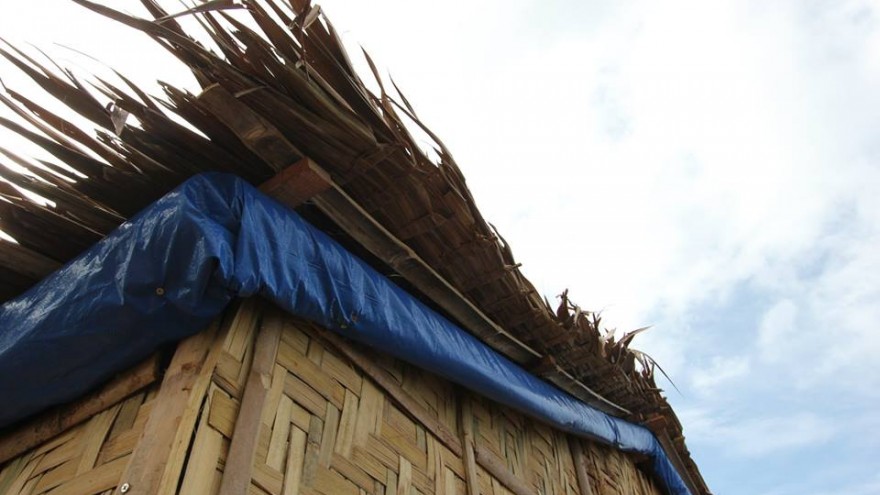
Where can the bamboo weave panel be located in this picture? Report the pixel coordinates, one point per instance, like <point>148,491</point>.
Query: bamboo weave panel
<point>329,429</point>
<point>87,459</point>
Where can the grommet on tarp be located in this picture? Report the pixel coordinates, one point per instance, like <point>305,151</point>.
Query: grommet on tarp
<point>124,488</point>
<point>160,291</point>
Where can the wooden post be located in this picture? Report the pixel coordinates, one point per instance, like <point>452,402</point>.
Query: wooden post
<point>466,423</point>
<point>243,447</point>
<point>580,465</point>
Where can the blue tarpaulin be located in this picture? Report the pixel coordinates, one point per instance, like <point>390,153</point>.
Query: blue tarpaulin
<point>170,270</point>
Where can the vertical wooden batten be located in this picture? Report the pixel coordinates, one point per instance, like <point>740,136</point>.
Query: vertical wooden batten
<point>237,474</point>
<point>580,466</point>
<point>157,461</point>
<point>466,423</point>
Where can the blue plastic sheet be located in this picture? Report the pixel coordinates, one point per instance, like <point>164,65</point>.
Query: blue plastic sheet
<point>170,270</point>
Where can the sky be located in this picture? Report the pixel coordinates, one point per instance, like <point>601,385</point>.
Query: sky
<point>710,168</point>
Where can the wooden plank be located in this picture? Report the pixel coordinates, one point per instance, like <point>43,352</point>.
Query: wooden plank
<point>297,183</point>
<point>435,459</point>
<point>65,417</point>
<point>580,466</point>
<point>197,398</point>
<point>240,460</point>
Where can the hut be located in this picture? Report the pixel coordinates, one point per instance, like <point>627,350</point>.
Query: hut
<point>268,287</point>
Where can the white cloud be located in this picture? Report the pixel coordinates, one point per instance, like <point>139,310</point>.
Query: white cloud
<point>721,371</point>
<point>778,331</point>
<point>757,436</point>
<point>870,486</point>
<point>656,159</point>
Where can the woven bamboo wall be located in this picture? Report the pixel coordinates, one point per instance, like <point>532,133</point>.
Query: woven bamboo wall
<point>283,407</point>
<point>87,459</point>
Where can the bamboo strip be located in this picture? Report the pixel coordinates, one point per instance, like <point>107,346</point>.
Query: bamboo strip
<point>396,392</point>
<point>495,466</point>
<point>202,466</point>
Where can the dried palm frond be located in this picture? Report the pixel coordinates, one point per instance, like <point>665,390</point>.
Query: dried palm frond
<point>276,84</point>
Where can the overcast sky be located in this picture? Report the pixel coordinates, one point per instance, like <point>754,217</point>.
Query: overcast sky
<point>709,168</point>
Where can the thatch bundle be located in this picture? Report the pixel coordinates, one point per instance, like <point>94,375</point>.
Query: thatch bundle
<point>277,86</point>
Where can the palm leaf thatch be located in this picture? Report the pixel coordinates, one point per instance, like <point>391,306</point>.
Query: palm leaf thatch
<point>277,86</point>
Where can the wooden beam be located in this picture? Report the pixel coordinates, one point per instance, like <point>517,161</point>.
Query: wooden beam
<point>297,183</point>
<point>580,465</point>
<point>257,133</point>
<point>243,447</point>
<point>66,416</point>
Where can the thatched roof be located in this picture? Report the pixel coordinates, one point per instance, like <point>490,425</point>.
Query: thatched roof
<point>278,86</point>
